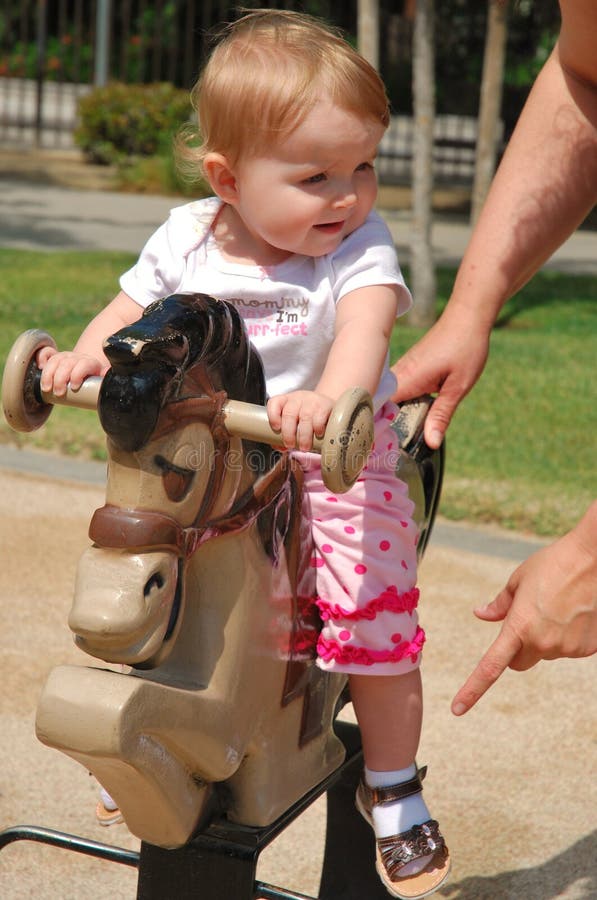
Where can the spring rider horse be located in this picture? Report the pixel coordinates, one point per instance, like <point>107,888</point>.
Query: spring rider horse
<point>198,580</point>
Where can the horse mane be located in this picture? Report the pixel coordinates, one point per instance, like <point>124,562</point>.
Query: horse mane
<point>151,358</point>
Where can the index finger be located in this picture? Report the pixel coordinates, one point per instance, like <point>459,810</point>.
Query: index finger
<point>487,671</point>
<point>274,410</point>
<point>44,354</point>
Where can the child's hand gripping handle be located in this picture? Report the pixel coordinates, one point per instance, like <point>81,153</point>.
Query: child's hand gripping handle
<point>344,447</point>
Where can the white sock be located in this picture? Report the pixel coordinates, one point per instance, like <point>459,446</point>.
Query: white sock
<point>401,815</point>
<point>107,800</point>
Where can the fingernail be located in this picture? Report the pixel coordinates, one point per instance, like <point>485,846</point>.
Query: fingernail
<point>436,437</point>
<point>458,709</point>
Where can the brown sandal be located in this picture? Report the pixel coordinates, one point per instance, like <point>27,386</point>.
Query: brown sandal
<point>396,851</point>
<point>107,816</point>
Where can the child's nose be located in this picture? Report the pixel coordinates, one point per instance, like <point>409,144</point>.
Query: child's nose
<point>345,197</point>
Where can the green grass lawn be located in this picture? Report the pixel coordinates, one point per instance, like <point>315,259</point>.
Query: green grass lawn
<point>521,448</point>
<point>59,292</point>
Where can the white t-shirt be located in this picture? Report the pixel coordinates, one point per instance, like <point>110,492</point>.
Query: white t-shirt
<point>289,309</point>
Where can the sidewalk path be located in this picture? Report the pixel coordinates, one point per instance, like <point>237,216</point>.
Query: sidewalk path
<point>46,217</point>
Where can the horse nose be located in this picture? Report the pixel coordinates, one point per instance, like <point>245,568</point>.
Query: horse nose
<point>123,603</point>
<point>154,583</point>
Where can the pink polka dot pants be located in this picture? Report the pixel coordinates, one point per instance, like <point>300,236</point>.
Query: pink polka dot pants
<point>366,563</point>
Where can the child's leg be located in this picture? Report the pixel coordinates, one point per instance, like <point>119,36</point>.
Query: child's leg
<point>389,711</point>
<point>366,561</point>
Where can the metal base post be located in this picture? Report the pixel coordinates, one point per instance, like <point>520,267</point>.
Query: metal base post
<point>225,869</point>
<point>348,871</point>
<point>221,861</point>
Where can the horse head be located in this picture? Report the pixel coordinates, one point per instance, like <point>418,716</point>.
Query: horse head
<point>175,476</point>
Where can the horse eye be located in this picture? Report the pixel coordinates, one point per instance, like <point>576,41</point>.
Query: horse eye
<point>177,481</point>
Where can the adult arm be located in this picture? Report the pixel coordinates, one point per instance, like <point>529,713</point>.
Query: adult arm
<point>548,609</point>
<point>544,187</point>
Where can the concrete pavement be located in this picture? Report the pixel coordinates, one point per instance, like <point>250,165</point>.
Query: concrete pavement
<point>42,216</point>
<point>511,782</point>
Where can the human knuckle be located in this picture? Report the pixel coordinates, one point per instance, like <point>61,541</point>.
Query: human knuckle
<point>490,669</point>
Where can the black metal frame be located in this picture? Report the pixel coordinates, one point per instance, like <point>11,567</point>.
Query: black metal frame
<point>68,842</point>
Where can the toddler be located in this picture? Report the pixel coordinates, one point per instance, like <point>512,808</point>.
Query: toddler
<point>290,118</point>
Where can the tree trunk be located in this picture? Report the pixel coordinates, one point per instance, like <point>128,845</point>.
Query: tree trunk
<point>368,30</point>
<point>422,265</point>
<point>490,102</point>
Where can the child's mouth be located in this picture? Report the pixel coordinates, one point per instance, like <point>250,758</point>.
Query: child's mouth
<point>330,227</point>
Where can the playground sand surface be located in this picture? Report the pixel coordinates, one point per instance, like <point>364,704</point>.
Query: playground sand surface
<point>512,783</point>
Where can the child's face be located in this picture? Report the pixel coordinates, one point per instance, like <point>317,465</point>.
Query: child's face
<point>314,187</point>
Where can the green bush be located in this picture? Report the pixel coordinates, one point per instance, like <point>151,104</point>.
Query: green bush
<point>123,120</point>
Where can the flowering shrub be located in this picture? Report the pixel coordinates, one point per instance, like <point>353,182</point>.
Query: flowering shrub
<point>124,120</point>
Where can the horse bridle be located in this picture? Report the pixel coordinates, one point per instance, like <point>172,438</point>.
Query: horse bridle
<point>115,527</point>
<point>137,529</point>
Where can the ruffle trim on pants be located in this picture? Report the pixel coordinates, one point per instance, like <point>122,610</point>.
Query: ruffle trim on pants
<point>389,600</point>
<point>333,651</point>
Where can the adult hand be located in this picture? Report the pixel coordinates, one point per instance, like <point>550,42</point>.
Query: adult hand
<point>447,360</point>
<point>548,609</point>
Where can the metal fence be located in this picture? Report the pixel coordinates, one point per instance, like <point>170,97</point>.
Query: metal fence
<point>454,150</point>
<point>54,51</point>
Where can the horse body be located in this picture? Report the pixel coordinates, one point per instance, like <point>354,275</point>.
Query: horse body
<point>199,578</point>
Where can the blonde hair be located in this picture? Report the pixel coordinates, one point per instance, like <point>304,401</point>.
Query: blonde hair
<point>265,73</point>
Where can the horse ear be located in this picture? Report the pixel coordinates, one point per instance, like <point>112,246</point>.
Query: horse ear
<point>221,178</point>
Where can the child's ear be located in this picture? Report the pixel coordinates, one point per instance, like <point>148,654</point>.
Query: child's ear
<point>220,176</point>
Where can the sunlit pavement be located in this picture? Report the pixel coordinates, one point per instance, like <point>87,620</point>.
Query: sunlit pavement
<point>42,216</point>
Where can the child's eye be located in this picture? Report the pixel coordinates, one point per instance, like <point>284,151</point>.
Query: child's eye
<point>363,167</point>
<point>315,179</point>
